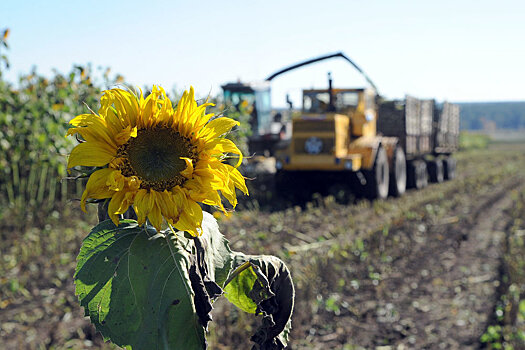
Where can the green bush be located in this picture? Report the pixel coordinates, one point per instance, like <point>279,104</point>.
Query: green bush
<point>469,141</point>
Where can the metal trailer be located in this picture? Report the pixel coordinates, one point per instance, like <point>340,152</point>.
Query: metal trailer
<point>427,132</point>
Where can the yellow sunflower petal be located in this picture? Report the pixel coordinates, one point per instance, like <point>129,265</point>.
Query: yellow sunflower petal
<point>155,215</point>
<point>229,193</point>
<point>142,205</point>
<point>217,127</point>
<point>185,123</point>
<point>190,219</point>
<point>115,181</point>
<point>127,106</point>
<point>221,146</point>
<point>92,128</point>
<point>96,186</point>
<point>203,120</point>
<point>177,116</point>
<point>188,172</point>
<point>120,203</point>
<point>114,205</point>
<point>109,113</point>
<point>238,180</point>
<point>123,136</point>
<point>91,154</point>
<point>168,206</point>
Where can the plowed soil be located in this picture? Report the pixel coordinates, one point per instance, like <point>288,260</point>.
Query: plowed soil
<point>423,271</point>
<point>419,272</point>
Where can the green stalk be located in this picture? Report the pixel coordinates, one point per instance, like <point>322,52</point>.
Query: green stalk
<point>52,191</point>
<point>10,192</point>
<point>63,191</point>
<point>79,188</point>
<point>16,174</point>
<point>42,184</point>
<point>22,192</point>
<point>31,183</point>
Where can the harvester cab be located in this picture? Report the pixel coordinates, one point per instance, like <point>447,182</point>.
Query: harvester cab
<point>255,99</point>
<point>331,131</point>
<point>357,105</point>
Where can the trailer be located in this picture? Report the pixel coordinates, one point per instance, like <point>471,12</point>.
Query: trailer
<point>428,133</point>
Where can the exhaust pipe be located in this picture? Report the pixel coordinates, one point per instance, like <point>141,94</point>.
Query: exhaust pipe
<point>331,105</point>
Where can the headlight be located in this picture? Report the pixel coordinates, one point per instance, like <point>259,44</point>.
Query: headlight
<point>278,165</point>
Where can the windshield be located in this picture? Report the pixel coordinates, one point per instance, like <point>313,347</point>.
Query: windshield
<point>236,98</point>
<point>315,102</point>
<point>318,102</point>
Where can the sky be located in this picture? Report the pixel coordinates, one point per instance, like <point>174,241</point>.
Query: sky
<point>448,50</point>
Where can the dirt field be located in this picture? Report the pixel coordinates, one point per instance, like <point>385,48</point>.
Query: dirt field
<point>422,271</point>
<point>425,271</point>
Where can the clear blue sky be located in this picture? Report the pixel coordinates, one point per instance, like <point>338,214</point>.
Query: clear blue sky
<point>450,49</point>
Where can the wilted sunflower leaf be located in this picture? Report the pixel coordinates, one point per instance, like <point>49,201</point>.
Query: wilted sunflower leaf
<point>134,285</point>
<point>215,250</point>
<point>257,284</point>
<point>239,287</point>
<point>262,284</point>
<point>210,260</point>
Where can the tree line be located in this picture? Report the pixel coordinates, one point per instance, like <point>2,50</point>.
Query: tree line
<point>501,115</point>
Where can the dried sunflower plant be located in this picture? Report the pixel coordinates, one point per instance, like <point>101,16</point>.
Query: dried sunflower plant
<point>148,273</point>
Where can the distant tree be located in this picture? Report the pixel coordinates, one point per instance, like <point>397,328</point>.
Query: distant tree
<point>506,115</point>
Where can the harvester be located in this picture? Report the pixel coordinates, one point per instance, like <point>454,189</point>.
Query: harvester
<point>355,136</point>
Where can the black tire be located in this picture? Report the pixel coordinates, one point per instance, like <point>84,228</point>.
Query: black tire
<point>435,170</point>
<point>417,176</point>
<point>398,175</point>
<point>449,168</point>
<point>377,179</point>
<point>284,183</point>
<point>294,187</point>
<point>423,174</point>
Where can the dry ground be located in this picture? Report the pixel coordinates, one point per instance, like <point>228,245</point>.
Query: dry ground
<point>425,271</point>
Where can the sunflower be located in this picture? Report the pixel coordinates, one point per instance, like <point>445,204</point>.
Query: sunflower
<point>160,159</point>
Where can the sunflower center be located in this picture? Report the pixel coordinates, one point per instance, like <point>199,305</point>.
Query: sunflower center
<point>154,156</point>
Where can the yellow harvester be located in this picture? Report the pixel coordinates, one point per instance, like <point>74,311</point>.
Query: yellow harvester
<point>336,138</point>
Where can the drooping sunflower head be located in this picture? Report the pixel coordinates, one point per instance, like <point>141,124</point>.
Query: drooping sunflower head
<point>160,159</point>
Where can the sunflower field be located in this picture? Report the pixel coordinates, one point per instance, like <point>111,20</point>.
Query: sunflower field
<point>34,115</point>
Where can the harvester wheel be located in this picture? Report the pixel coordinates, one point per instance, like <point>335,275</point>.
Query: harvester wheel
<point>398,176</point>
<point>377,179</point>
<point>449,168</point>
<point>284,183</point>
<point>435,170</point>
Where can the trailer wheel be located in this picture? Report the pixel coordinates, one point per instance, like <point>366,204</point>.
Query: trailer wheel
<point>398,176</point>
<point>423,175</point>
<point>435,170</point>
<point>417,174</point>
<point>449,168</point>
<point>377,179</point>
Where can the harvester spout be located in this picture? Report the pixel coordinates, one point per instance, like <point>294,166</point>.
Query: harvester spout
<point>322,58</point>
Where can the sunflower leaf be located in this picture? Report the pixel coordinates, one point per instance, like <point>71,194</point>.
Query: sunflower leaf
<point>134,285</point>
<point>215,250</point>
<point>262,284</point>
<point>239,286</point>
<point>257,284</point>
